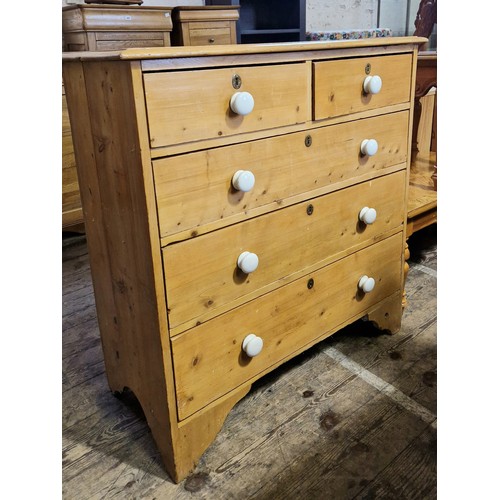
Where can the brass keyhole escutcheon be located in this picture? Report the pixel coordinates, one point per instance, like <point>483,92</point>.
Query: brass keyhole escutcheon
<point>310,283</point>
<point>310,209</point>
<point>236,81</point>
<point>368,68</point>
<point>308,141</point>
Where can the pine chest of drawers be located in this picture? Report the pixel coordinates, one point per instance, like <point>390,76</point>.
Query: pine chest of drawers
<point>98,27</point>
<point>242,203</point>
<point>205,25</point>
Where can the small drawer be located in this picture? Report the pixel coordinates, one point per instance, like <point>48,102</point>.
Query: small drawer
<point>186,106</point>
<point>339,86</point>
<point>210,36</point>
<point>282,167</point>
<point>208,274</point>
<point>209,360</point>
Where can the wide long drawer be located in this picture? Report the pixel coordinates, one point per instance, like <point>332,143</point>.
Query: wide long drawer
<point>186,106</point>
<point>196,188</point>
<point>339,86</point>
<point>202,274</point>
<point>209,361</point>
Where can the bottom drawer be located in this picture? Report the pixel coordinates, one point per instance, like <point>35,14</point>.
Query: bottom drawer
<point>209,360</point>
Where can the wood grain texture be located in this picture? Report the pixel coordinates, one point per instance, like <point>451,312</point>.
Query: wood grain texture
<point>205,25</point>
<point>184,107</point>
<point>283,167</point>
<point>422,196</point>
<point>207,36</point>
<point>201,275</point>
<point>113,177</point>
<point>109,197</point>
<point>425,129</point>
<point>338,85</point>
<point>71,204</point>
<point>286,320</point>
<point>186,386</point>
<point>322,49</point>
<point>115,18</point>
<point>302,429</point>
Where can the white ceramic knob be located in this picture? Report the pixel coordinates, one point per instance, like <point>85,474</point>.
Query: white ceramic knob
<point>369,147</point>
<point>367,215</point>
<point>366,284</point>
<point>242,103</point>
<point>252,345</point>
<point>372,84</point>
<point>243,180</point>
<point>248,262</point>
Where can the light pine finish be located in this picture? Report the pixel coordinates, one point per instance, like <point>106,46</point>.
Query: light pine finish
<point>422,195</point>
<point>204,25</point>
<point>72,214</point>
<point>303,429</point>
<point>115,235</point>
<point>102,28</point>
<point>110,100</point>
<point>338,85</point>
<point>125,26</point>
<point>316,49</point>
<point>283,167</point>
<point>207,33</point>
<point>286,320</point>
<point>183,107</point>
<point>427,123</point>
<point>201,274</point>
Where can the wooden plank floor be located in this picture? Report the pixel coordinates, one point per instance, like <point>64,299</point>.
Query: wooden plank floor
<point>353,417</point>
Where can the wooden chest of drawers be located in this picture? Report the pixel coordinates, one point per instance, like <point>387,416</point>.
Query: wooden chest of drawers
<point>115,27</point>
<point>242,203</point>
<point>205,25</point>
<point>102,28</point>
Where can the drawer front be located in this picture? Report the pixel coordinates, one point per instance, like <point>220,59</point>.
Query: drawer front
<point>210,36</point>
<point>127,35</point>
<point>202,274</point>
<point>106,45</point>
<point>194,105</point>
<point>338,85</point>
<point>196,188</point>
<point>208,360</point>
<point>103,18</point>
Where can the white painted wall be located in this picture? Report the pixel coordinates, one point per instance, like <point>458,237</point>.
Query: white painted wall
<point>326,15</point>
<point>393,16</point>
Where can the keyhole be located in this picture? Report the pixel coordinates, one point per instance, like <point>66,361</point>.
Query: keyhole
<point>236,81</point>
